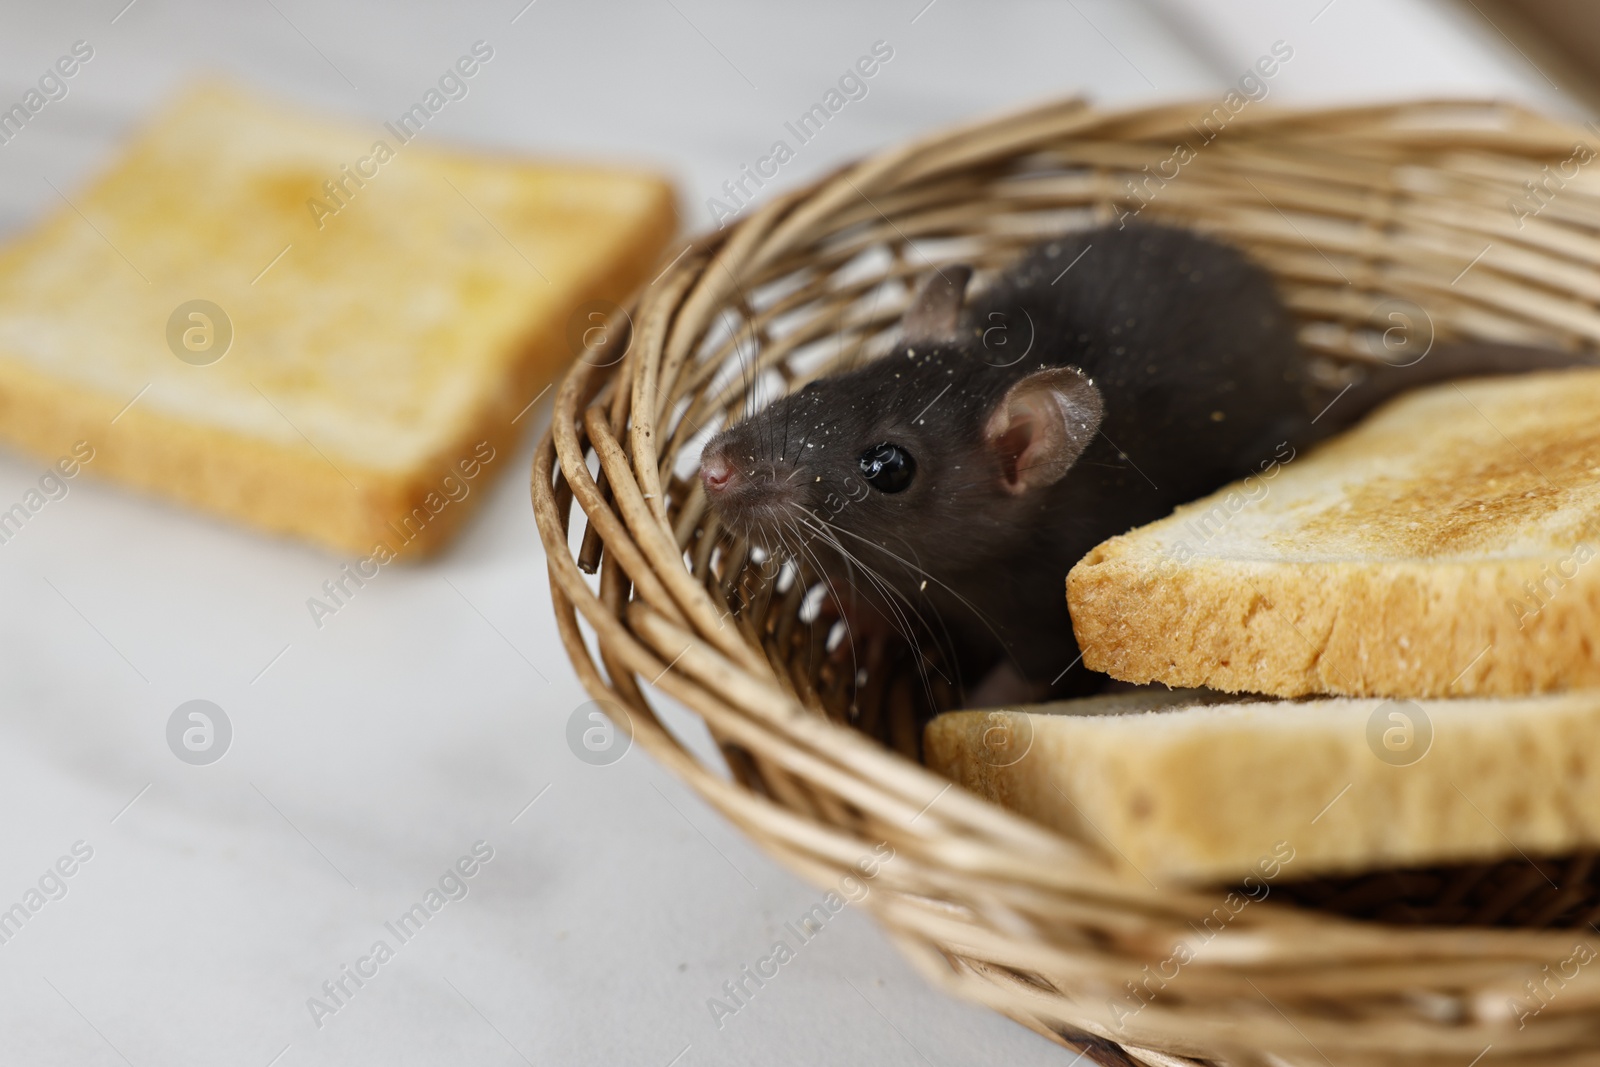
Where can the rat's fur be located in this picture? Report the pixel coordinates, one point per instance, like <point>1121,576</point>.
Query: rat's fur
<point>1201,381</point>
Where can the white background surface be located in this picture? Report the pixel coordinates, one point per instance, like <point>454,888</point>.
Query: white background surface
<point>420,719</point>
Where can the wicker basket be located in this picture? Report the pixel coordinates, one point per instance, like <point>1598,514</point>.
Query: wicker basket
<point>1371,218</point>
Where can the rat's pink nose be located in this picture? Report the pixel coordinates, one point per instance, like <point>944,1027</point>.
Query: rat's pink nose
<point>716,473</point>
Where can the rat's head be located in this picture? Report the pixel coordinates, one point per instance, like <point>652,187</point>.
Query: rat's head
<point>927,460</point>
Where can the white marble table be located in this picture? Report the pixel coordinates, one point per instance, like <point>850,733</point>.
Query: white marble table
<point>430,714</point>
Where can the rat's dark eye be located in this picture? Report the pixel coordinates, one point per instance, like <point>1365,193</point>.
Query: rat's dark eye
<point>888,468</point>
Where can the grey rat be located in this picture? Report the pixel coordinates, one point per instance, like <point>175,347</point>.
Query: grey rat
<point>1108,376</point>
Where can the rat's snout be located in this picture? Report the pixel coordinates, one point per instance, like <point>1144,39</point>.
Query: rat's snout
<point>717,473</point>
<point>744,489</point>
<point>730,471</point>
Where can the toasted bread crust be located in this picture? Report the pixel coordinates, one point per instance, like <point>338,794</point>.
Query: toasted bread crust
<point>1441,549</point>
<point>1192,794</point>
<point>321,461</point>
<point>1294,629</point>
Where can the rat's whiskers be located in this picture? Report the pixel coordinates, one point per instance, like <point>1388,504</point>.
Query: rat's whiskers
<point>988,623</point>
<point>901,621</point>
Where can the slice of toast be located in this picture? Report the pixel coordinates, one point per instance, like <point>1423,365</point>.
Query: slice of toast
<point>1191,794</point>
<point>1446,546</point>
<point>393,310</point>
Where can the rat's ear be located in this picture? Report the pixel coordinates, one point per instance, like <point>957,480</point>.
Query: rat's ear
<point>1042,425</point>
<point>935,312</point>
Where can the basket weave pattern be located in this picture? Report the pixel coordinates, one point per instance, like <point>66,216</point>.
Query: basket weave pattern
<point>1365,216</point>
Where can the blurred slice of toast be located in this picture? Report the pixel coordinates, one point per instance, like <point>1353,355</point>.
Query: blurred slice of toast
<point>394,308</point>
<point>1185,793</point>
<point>1446,546</point>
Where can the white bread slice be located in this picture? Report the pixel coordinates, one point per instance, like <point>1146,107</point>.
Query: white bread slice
<point>380,352</point>
<point>1446,546</point>
<point>1193,794</point>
